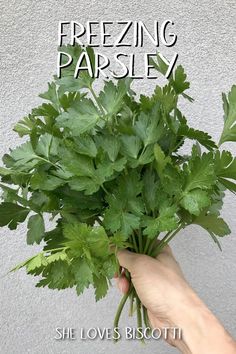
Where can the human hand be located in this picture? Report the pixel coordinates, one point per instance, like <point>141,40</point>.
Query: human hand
<point>159,283</point>
<point>170,301</point>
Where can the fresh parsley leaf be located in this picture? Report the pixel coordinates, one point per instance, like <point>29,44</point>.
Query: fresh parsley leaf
<point>166,221</point>
<point>195,200</point>
<point>109,169</point>
<point>148,128</point>
<point>36,229</point>
<point>79,119</point>
<point>11,214</point>
<point>202,137</point>
<point>178,81</point>
<point>213,224</point>
<point>200,172</point>
<point>229,105</point>
<point>101,286</point>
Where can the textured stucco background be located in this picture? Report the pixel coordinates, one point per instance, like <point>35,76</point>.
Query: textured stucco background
<point>207,49</point>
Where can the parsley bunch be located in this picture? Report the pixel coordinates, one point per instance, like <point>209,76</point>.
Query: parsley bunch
<point>108,170</point>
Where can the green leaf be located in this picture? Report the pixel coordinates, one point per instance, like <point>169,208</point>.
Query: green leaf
<point>228,184</point>
<point>112,96</point>
<point>166,221</point>
<point>161,65</point>
<point>80,118</point>
<point>47,145</point>
<point>25,126</point>
<point>131,145</point>
<point>125,205</point>
<point>172,180</point>
<point>84,145</point>
<point>110,145</point>
<point>32,263</point>
<point>107,158</point>
<point>195,201</point>
<point>178,80</point>
<point>213,224</point>
<point>129,191</point>
<point>11,195</point>
<point>217,200</point>
<point>129,222</point>
<point>45,182</point>
<point>166,98</point>
<point>67,82</point>
<point>101,287</point>
<point>161,159</point>
<point>36,262</point>
<point>150,190</point>
<point>148,128</point>
<point>202,137</point>
<point>200,172</point>
<point>106,169</point>
<point>86,184</point>
<point>111,266</point>
<point>225,165</point>
<point>11,214</point>
<point>79,165</point>
<point>36,229</point>
<point>116,219</point>
<point>229,105</point>
<point>6,172</point>
<point>24,157</point>
<point>119,240</point>
<point>54,257</point>
<point>82,273</point>
<point>51,95</point>
<point>57,275</point>
<point>87,241</point>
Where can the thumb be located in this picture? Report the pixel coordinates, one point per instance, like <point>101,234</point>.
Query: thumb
<point>126,259</point>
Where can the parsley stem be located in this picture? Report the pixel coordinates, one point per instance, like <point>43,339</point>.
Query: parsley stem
<point>54,249</point>
<point>147,243</point>
<point>171,236</point>
<point>105,190</point>
<point>47,161</point>
<point>168,237</point>
<point>120,308</point>
<point>175,148</point>
<point>135,243</point>
<point>143,150</point>
<point>131,309</point>
<point>146,319</point>
<point>139,316</point>
<point>97,100</point>
<point>140,241</point>
<point>99,221</point>
<point>151,246</point>
<point>165,237</point>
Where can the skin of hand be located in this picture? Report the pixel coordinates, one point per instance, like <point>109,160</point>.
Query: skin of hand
<point>170,301</point>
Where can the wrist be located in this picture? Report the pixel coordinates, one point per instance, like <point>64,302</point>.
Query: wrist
<point>201,330</point>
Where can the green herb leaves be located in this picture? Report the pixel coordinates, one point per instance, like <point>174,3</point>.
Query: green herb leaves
<point>229,105</point>
<point>109,168</point>
<point>36,229</point>
<point>11,214</point>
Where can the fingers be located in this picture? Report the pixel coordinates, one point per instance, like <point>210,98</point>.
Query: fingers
<point>123,284</point>
<point>126,259</point>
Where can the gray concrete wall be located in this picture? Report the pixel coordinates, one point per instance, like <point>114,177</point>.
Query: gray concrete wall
<point>207,49</point>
